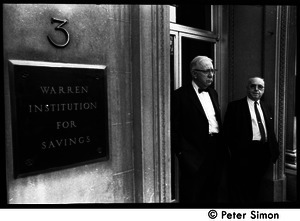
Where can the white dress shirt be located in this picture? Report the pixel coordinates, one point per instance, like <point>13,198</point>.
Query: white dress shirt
<point>255,128</point>
<point>209,110</point>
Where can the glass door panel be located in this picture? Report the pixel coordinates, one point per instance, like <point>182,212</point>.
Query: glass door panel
<point>183,48</point>
<point>190,48</point>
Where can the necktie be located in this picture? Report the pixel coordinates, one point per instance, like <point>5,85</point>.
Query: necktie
<point>260,125</point>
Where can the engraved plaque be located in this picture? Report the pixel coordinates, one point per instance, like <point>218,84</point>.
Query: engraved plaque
<point>59,115</point>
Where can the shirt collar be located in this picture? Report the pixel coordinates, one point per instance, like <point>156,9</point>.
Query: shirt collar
<point>195,86</point>
<point>252,101</point>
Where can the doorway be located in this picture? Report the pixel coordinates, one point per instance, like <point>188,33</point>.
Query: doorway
<point>187,42</point>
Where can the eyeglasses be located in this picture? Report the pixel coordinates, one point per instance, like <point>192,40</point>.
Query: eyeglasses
<point>259,86</point>
<point>207,71</point>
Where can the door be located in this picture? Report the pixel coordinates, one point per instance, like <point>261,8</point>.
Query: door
<point>186,43</point>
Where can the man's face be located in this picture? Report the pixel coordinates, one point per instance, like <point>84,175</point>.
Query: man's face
<point>255,88</point>
<point>201,74</point>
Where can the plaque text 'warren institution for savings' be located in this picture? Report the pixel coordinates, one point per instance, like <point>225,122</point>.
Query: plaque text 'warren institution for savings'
<point>59,115</point>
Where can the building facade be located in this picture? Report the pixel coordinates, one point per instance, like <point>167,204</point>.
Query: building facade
<point>142,52</point>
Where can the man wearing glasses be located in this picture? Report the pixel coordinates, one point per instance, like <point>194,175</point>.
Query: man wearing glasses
<point>250,136</point>
<point>197,135</point>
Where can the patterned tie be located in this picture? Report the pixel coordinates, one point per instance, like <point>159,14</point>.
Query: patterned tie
<point>260,125</point>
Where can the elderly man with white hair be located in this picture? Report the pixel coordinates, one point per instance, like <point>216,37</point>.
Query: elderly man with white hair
<point>197,135</point>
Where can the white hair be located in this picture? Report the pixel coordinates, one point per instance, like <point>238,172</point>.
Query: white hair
<point>198,59</point>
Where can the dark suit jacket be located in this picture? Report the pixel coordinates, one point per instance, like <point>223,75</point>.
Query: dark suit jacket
<point>238,127</point>
<point>190,127</point>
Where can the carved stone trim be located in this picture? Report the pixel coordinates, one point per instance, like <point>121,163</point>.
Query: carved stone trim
<point>231,54</point>
<point>281,88</point>
<point>162,103</point>
<point>151,103</point>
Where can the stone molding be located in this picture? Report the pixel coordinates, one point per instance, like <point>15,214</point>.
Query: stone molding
<point>231,54</point>
<point>151,102</point>
<point>280,95</point>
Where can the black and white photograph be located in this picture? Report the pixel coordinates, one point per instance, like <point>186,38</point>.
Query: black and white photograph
<point>150,106</point>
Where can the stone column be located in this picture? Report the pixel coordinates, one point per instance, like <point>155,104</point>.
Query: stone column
<point>151,103</point>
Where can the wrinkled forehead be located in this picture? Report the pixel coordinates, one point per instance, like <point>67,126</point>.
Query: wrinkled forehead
<point>204,63</point>
<point>257,81</point>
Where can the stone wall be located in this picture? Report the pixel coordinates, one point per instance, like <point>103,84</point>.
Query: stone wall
<point>99,34</point>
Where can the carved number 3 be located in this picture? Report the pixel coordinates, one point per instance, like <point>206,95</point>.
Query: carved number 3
<point>59,28</point>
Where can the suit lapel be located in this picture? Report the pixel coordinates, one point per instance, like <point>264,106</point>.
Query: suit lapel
<point>195,99</point>
<point>247,117</point>
<point>266,117</point>
<point>215,103</point>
